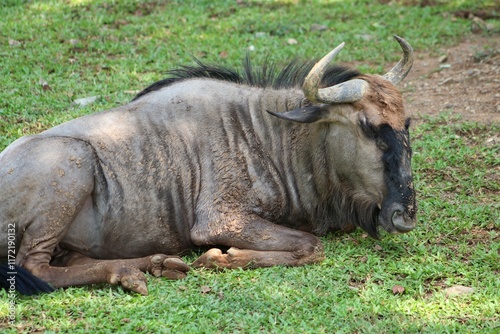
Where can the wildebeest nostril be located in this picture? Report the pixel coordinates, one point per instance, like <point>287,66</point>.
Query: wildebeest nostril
<point>402,221</point>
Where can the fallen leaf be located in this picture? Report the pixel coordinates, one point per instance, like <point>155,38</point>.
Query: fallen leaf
<point>132,92</point>
<point>205,289</point>
<point>378,247</point>
<point>365,37</point>
<point>13,42</point>
<point>489,142</point>
<point>478,25</point>
<point>398,290</point>
<point>458,290</point>
<point>44,84</point>
<point>85,101</point>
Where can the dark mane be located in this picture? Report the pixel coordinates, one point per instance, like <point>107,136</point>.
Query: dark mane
<point>267,75</point>
<point>345,211</point>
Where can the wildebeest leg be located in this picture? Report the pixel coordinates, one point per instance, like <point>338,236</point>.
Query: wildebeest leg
<point>256,242</point>
<point>159,265</point>
<point>127,272</point>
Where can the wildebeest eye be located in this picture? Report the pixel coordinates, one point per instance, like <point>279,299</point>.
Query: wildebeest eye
<point>382,144</point>
<point>367,128</point>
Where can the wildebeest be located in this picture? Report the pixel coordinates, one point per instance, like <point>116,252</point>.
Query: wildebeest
<point>257,163</point>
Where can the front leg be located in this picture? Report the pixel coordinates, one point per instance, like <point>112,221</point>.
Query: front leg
<point>254,242</point>
<point>75,269</point>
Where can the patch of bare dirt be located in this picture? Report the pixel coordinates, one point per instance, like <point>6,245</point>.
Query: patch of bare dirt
<point>464,79</point>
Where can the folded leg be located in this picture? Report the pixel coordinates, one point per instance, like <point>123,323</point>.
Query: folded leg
<point>255,242</point>
<point>76,269</point>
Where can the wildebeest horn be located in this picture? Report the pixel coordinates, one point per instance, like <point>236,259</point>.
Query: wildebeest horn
<point>352,90</point>
<point>349,91</point>
<point>399,72</point>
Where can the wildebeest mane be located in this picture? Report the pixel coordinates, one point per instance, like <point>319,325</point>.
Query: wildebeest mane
<point>267,75</point>
<point>345,210</point>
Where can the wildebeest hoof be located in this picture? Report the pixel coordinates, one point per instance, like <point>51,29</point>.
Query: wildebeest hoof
<point>130,278</point>
<point>168,266</point>
<point>135,284</point>
<point>213,258</point>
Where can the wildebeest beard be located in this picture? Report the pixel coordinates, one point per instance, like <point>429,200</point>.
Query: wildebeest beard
<point>344,210</point>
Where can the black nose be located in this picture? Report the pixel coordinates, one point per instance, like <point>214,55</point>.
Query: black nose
<point>401,220</point>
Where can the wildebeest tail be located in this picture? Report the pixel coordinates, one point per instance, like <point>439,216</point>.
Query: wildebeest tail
<point>14,277</point>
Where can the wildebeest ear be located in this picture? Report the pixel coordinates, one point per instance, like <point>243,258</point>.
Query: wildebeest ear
<point>309,114</point>
<point>407,123</point>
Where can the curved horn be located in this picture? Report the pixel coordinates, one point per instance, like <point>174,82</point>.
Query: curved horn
<point>399,72</point>
<point>349,91</point>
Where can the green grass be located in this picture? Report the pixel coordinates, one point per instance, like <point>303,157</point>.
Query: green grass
<point>86,48</point>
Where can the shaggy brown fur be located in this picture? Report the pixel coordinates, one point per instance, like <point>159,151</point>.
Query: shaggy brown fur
<point>383,103</point>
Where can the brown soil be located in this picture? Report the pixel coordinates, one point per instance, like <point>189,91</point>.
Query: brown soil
<point>464,79</point>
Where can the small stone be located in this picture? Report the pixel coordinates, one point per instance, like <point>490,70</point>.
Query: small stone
<point>472,72</point>
<point>398,290</point>
<point>205,289</point>
<point>443,58</point>
<point>318,27</point>
<point>458,290</point>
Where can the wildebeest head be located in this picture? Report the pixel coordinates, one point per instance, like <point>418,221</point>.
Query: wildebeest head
<point>375,166</point>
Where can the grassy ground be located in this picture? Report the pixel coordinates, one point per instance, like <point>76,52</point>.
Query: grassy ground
<point>53,52</point>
